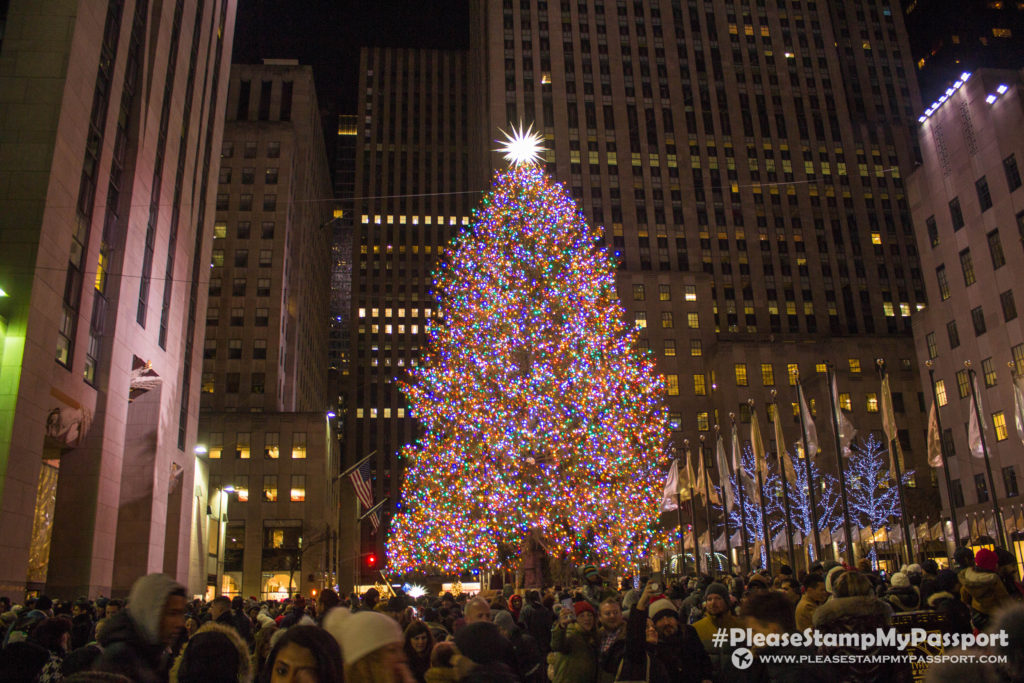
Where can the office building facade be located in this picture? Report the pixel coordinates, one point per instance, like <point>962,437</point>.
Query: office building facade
<point>112,116</point>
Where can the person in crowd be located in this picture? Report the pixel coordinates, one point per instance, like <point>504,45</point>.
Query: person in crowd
<point>790,587</point>
<point>22,661</point>
<point>419,643</point>
<point>963,557</point>
<point>537,619</point>
<point>903,596</point>
<point>54,634</point>
<point>814,597</point>
<point>136,641</point>
<point>611,633</point>
<point>442,664</point>
<point>477,609</point>
<point>1007,570</point>
<point>304,654</point>
<point>772,613</point>
<point>941,594</point>
<point>678,648</point>
<point>215,654</point>
<point>262,644</point>
<point>241,620</point>
<point>717,614</point>
<point>83,625</point>
<point>372,646</point>
<point>526,654</point>
<point>574,638</point>
<point>957,669</point>
<point>982,588</point>
<point>854,608</point>
<point>488,655</point>
<point>220,611</point>
<point>515,606</point>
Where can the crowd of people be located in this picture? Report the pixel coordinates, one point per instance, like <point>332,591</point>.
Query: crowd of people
<point>595,631</point>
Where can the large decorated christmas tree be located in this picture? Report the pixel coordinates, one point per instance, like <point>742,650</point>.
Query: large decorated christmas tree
<point>541,418</point>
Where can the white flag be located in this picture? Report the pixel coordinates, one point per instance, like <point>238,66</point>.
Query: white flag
<point>846,429</point>
<point>668,499</point>
<point>810,431</point>
<point>974,433</point>
<point>723,474</point>
<point>1018,406</point>
<point>934,438</point>
<point>708,491</point>
<point>785,461</point>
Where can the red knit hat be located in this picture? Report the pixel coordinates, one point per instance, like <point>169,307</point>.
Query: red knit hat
<point>986,559</point>
<point>583,606</point>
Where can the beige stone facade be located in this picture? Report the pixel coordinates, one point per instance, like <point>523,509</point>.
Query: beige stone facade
<point>104,224</point>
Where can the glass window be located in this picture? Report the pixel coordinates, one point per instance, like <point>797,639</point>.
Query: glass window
<point>270,202</point>
<point>273,150</point>
<point>266,258</point>
<point>767,374</point>
<point>940,392</point>
<point>872,402</point>
<point>703,421</point>
<point>245,202</point>
<point>962,384</point>
<point>741,374</point>
<point>270,177</point>
<point>242,230</point>
<point>227,150</point>
<point>208,385</point>
<point>1018,357</point>
<point>984,196</point>
<point>241,488</point>
<point>999,422</point>
<point>231,382</point>
<point>690,292</point>
<point>271,445</point>
<point>242,445</point>
<point>940,275</point>
<point>248,175</point>
<point>699,385</point>
<point>263,286</point>
<point>267,230</point>
<point>967,267</point>
<point>670,347</point>
<point>298,445</point>
<point>933,347</point>
<point>223,200</point>
<point>270,488</point>
<point>234,349</point>
<point>693,320</point>
<point>958,493</point>
<point>854,366</point>
<point>298,491</point>
<point>262,318</point>
<point>954,335</point>
<point>666,319</point>
<point>638,292</point>
<point>988,370</point>
<point>995,250</point>
<point>238,286</point>
<point>220,230</point>
<point>978,319</point>
<point>1008,305</point>
<point>640,319</point>
<point>1012,172</point>
<point>956,214</point>
<point>933,231</point>
<point>664,293</point>
<point>259,349</point>
<point>257,382</point>
<point>675,421</point>
<point>1010,481</point>
<point>696,349</point>
<point>672,384</point>
<point>981,488</point>
<point>216,446</point>
<point>793,372</point>
<point>250,150</point>
<point>237,317</point>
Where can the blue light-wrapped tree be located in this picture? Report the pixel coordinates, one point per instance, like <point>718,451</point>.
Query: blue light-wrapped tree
<point>872,498</point>
<point>826,499</point>
<point>772,505</point>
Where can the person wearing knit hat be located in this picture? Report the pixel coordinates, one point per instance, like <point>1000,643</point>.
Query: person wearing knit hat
<point>902,595</point>
<point>981,583</point>
<point>831,576</point>
<point>717,615</point>
<point>942,594</point>
<point>483,643</point>
<point>372,645</point>
<point>574,638</point>
<point>678,649</point>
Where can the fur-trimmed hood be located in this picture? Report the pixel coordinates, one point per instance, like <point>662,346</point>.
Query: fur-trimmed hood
<point>974,578</point>
<point>860,606</point>
<point>939,596</point>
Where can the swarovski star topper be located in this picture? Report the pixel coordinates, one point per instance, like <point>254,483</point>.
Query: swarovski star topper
<point>521,146</point>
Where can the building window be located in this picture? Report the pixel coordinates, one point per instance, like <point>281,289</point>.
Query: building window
<point>933,231</point>
<point>248,176</point>
<point>267,230</point>
<point>258,382</point>
<point>696,349</point>
<point>298,492</point>
<point>854,367</point>
<point>670,347</point>
<point>271,445</point>
<point>933,347</point>
<point>699,385</point>
<point>958,493</point>
<point>298,445</point>
<point>1018,358</point>
<point>703,421</point>
<point>242,442</point>
<point>954,335</point>
<point>845,402</point>
<point>963,386</point>
<point>250,150</point>
<point>237,317</point>
<point>999,422</point>
<point>245,202</point>
<point>675,421</point>
<point>1010,481</point>
<point>940,274</point>
<point>270,488</point>
<point>270,177</point>
<point>225,176</point>
<point>984,196</point>
<point>209,349</point>
<point>273,150</point>
<point>690,292</point>
<point>981,488</point>
<point>672,384</point>
<point>266,258</point>
<point>640,320</point>
<point>872,402</point>
<point>978,318</point>
<point>264,111</point>
<point>286,100</point>
<point>664,293</point>
<point>223,200</point>
<point>988,370</point>
<point>241,491</point>
<point>741,374</point>
<point>216,282</point>
<point>666,319</point>
<point>243,229</point>
<point>638,292</point>
<point>238,286</point>
<point>262,318</point>
<point>231,382</point>
<point>767,374</point>
<point>244,91</point>
<point>227,150</point>
<point>259,349</point>
<point>1008,304</point>
<point>793,372</point>
<point>270,202</point>
<point>956,214</point>
<point>995,250</point>
<point>263,286</point>
<point>1012,172</point>
<point>208,385</point>
<point>693,320</point>
<point>234,349</point>
<point>940,392</point>
<point>967,267</point>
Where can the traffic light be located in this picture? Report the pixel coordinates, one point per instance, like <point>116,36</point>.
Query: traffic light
<point>371,560</point>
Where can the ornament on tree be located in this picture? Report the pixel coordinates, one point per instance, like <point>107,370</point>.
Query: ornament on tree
<point>540,414</point>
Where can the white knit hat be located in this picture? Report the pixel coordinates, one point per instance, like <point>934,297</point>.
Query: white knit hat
<point>831,577</point>
<point>361,633</point>
<point>900,580</point>
<point>662,605</point>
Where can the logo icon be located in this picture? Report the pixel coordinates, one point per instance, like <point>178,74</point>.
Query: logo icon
<point>742,658</point>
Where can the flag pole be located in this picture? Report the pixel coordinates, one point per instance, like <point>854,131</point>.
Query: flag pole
<point>743,508</point>
<point>811,498</point>
<point>707,506</point>
<point>880,364</point>
<point>723,479</point>
<point>945,455</point>
<point>830,371</point>
<point>998,519</point>
<point>760,498</point>
<point>780,450</point>
<point>693,513</point>
<point>679,519</point>
<point>352,469</point>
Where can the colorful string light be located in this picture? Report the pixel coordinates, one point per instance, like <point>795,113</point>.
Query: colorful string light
<point>542,418</point>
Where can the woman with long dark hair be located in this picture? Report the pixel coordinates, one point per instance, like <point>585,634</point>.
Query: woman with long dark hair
<point>304,653</point>
<point>419,643</point>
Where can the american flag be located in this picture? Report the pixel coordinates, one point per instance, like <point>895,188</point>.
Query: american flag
<point>360,478</point>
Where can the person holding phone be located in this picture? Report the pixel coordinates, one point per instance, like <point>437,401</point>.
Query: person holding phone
<point>678,648</point>
<point>574,637</point>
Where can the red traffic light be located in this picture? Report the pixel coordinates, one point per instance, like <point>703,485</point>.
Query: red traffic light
<point>371,560</point>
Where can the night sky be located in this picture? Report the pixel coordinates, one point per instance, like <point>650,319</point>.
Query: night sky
<point>327,35</point>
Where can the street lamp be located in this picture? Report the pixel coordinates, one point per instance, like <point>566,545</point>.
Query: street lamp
<point>200,449</point>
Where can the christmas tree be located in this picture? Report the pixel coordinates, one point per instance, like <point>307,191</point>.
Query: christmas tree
<point>751,513</point>
<point>826,500</point>
<point>873,500</point>
<point>541,418</point>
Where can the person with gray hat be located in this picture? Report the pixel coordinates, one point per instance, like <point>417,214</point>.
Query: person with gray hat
<point>717,614</point>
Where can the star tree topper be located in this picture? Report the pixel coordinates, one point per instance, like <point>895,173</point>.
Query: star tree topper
<point>522,146</point>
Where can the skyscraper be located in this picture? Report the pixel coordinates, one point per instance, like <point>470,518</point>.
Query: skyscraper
<point>747,164</point>
<point>966,201</point>
<point>263,419</point>
<point>111,124</point>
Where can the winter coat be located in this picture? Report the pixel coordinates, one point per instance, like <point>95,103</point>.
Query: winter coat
<point>858,614</point>
<point>958,615</point>
<point>578,650</point>
<point>805,612</point>
<point>903,599</point>
<point>706,628</point>
<point>987,593</point>
<point>529,659</point>
<point>684,658</point>
<point>632,658</point>
<point>537,619</point>
<point>762,671</point>
<point>441,674</point>
<point>83,630</point>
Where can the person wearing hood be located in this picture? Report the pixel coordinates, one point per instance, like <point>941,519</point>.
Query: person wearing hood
<point>372,646</point>
<point>902,595</point>
<point>982,585</point>
<point>941,594</point>
<point>136,641</point>
<point>574,637</point>
<point>529,660</point>
<point>1008,573</point>
<point>215,654</point>
<point>515,606</point>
